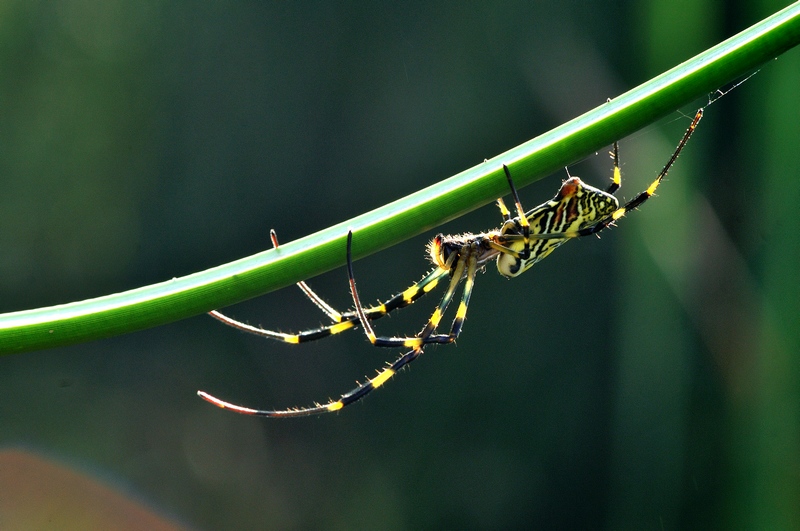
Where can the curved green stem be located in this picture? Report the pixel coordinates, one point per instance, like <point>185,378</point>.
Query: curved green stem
<point>269,270</point>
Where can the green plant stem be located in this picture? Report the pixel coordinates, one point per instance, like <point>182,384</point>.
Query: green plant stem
<point>312,255</point>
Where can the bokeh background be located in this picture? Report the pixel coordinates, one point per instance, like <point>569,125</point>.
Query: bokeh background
<point>647,379</point>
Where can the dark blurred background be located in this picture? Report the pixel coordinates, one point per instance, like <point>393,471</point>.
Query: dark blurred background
<point>644,380</point>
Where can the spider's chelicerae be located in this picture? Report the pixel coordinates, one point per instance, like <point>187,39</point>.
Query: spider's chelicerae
<point>577,210</point>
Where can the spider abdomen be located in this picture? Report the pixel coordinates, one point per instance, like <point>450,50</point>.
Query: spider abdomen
<point>575,207</point>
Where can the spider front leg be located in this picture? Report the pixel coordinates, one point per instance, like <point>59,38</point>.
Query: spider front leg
<point>326,308</point>
<point>384,375</point>
<point>340,323</point>
<point>341,320</point>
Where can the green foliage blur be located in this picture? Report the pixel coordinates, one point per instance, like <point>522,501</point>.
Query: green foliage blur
<point>646,379</point>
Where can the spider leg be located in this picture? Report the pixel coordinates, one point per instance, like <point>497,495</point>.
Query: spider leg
<point>374,312</point>
<point>616,179</point>
<point>342,321</point>
<point>331,312</point>
<point>521,217</point>
<point>349,319</point>
<point>384,375</point>
<point>334,315</point>
<point>467,261</point>
<point>636,201</point>
<point>348,398</point>
<point>294,338</point>
<point>521,222</point>
<point>461,312</point>
<point>503,210</point>
<point>651,190</point>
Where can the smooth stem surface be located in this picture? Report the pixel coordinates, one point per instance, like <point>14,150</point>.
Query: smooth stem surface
<point>320,252</point>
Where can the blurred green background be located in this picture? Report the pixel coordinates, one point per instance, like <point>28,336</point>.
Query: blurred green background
<point>644,380</point>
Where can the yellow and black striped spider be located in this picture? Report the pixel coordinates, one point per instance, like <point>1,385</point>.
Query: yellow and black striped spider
<point>577,210</point>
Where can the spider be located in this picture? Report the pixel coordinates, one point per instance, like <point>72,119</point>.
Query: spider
<point>577,210</point>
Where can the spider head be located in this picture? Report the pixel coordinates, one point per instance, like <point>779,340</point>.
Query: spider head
<point>444,251</point>
<point>438,251</point>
